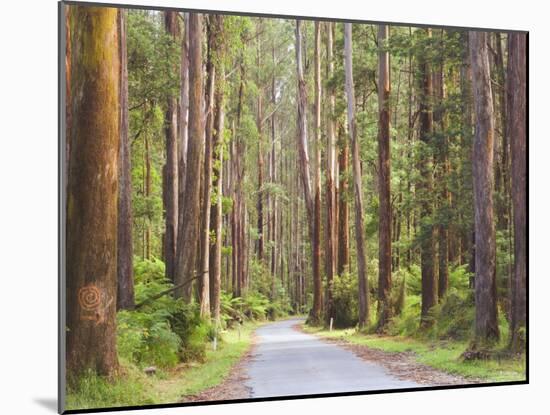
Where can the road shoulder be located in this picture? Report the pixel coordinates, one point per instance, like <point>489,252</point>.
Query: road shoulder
<point>402,365</point>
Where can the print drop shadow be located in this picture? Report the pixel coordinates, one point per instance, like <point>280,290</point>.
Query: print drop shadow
<point>48,403</point>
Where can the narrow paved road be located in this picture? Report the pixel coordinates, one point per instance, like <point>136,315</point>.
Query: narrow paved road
<point>288,362</point>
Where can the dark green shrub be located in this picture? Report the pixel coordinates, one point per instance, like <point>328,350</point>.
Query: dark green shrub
<point>408,322</point>
<point>145,336</point>
<point>193,331</point>
<point>345,301</point>
<point>454,316</point>
<point>230,309</point>
<point>163,331</point>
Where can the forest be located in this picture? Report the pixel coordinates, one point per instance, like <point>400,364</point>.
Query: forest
<point>225,171</point>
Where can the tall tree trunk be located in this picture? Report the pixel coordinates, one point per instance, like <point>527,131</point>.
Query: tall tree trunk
<point>207,171</point>
<point>315,316</point>
<point>274,221</point>
<point>410,140</point>
<point>503,170</point>
<point>486,324</point>
<point>125,288</point>
<point>238,205</point>
<point>259,126</point>
<point>385,208</point>
<point>170,176</point>
<point>216,210</point>
<point>188,227</point>
<point>183,121</point>
<point>330,254</point>
<point>440,118</point>
<point>234,227</point>
<point>502,165</point>
<point>427,255</point>
<point>317,281</point>
<point>358,196</point>
<point>92,193</point>
<point>517,119</point>
<point>343,208</point>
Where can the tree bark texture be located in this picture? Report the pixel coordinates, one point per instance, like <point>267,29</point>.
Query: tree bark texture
<point>343,207</point>
<point>517,131</point>
<point>427,249</point>
<point>183,121</point>
<point>330,246</point>
<point>486,323</point>
<point>188,231</point>
<point>92,193</point>
<point>170,176</point>
<point>125,249</point>
<point>216,212</point>
<point>358,196</point>
<point>316,260</point>
<point>385,208</point>
<point>306,178</point>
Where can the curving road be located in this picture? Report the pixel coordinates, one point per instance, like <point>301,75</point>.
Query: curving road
<point>288,362</point>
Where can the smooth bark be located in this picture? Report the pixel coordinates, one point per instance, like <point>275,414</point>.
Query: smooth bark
<point>486,323</point>
<point>188,226</point>
<point>305,175</point>
<point>216,212</point>
<point>330,202</point>
<point>357,182</point>
<point>385,207</point>
<point>170,176</point>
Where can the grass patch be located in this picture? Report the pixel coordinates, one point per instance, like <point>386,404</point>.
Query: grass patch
<point>198,377</point>
<point>442,355</point>
<point>92,391</point>
<point>166,386</point>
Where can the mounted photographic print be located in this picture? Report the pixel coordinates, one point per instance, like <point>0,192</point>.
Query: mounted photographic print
<point>260,207</point>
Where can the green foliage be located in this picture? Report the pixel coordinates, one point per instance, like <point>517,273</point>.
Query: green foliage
<point>398,293</point>
<point>152,55</point>
<point>407,323</point>
<point>454,316</point>
<point>145,336</point>
<point>194,331</point>
<point>133,387</point>
<point>459,278</point>
<point>93,391</point>
<point>255,305</point>
<point>230,309</point>
<point>260,277</point>
<point>279,306</point>
<point>413,279</point>
<point>162,332</point>
<point>345,300</point>
<point>235,310</point>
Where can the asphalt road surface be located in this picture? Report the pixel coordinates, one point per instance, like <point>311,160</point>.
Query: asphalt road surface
<point>288,362</point>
